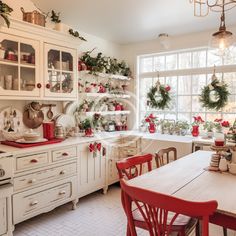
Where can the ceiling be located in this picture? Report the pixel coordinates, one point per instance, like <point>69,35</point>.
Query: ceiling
<point>129,21</point>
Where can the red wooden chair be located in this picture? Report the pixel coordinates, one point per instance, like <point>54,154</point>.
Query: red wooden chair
<point>165,154</point>
<point>160,211</point>
<point>133,166</point>
<point>227,222</point>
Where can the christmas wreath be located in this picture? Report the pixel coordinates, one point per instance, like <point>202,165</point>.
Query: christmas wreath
<point>214,96</point>
<point>158,96</point>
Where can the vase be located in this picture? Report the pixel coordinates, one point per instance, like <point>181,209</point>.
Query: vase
<point>152,128</point>
<point>88,132</point>
<point>195,130</point>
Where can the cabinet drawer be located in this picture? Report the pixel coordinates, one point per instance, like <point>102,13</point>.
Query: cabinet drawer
<point>44,176</point>
<point>130,141</point>
<point>129,151</point>
<point>33,202</point>
<point>64,153</point>
<point>32,161</point>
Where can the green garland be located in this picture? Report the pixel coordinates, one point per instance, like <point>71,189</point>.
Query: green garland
<point>165,97</point>
<point>222,93</point>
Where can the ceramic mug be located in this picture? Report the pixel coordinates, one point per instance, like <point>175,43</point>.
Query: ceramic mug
<point>232,168</point>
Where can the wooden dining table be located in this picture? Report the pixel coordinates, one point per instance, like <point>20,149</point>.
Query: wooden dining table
<point>188,178</point>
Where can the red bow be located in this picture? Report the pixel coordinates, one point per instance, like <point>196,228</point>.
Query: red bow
<point>99,146</point>
<point>91,147</point>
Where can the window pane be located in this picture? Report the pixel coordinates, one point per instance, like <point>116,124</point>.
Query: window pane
<point>172,82</point>
<point>171,62</point>
<point>213,59</point>
<point>185,61</point>
<point>230,79</point>
<point>198,82</point>
<point>170,116</point>
<point>145,85</point>
<point>199,59</point>
<point>184,116</point>
<point>159,63</point>
<point>213,116</point>
<point>231,59</point>
<point>184,85</point>
<point>146,64</point>
<point>231,106</point>
<point>184,103</point>
<point>196,105</point>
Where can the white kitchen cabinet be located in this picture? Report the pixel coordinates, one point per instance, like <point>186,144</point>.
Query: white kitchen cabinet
<point>92,170</point>
<point>5,210</point>
<point>44,180</point>
<point>30,203</point>
<point>60,72</point>
<point>19,67</point>
<point>113,157</point>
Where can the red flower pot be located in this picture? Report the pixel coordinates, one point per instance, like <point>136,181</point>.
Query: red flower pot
<point>88,132</point>
<point>152,128</point>
<point>195,130</point>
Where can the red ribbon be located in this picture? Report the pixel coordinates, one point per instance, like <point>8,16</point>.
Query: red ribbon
<point>99,146</point>
<point>91,147</point>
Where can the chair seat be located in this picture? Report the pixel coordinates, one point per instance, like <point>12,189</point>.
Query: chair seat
<point>181,222</point>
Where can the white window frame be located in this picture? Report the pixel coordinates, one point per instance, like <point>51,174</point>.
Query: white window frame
<point>179,72</point>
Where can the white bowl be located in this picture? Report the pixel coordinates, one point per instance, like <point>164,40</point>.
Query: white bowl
<point>31,136</point>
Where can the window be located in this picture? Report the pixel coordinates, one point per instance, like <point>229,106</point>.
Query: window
<point>186,72</point>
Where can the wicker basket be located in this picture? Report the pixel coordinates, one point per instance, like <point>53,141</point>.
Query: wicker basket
<point>12,136</point>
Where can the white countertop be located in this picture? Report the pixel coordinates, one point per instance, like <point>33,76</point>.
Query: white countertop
<point>105,136</point>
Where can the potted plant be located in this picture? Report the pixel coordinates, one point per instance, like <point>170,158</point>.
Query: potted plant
<point>5,12</point>
<point>151,120</point>
<point>209,127</point>
<point>55,18</point>
<point>195,125</point>
<point>183,127</point>
<point>87,127</point>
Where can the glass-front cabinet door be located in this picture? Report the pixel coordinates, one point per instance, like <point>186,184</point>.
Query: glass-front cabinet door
<point>19,67</point>
<point>60,72</point>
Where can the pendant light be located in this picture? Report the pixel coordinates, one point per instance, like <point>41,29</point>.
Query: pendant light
<point>221,40</point>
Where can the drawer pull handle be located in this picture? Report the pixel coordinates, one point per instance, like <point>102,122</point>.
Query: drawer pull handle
<point>62,192</point>
<point>34,203</point>
<point>33,161</point>
<point>62,172</point>
<point>32,181</point>
<point>65,154</point>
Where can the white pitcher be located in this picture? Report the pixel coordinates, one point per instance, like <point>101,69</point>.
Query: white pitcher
<point>223,166</point>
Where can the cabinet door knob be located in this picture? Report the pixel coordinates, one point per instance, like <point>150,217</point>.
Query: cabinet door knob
<point>39,85</point>
<point>62,192</point>
<point>31,181</point>
<point>48,86</point>
<point>34,203</point>
<point>33,161</point>
<point>62,172</point>
<point>65,154</point>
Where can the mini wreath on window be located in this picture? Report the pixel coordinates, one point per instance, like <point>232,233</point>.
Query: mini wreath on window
<point>215,95</point>
<point>159,96</point>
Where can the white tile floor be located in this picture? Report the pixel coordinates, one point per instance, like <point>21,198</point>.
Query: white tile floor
<point>97,215</point>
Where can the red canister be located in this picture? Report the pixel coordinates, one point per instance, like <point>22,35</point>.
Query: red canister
<point>48,130</point>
